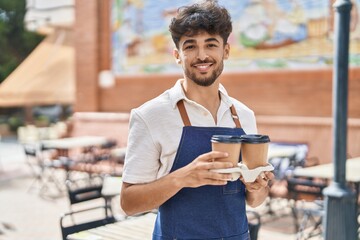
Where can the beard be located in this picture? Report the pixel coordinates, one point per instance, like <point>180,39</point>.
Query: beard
<point>204,81</point>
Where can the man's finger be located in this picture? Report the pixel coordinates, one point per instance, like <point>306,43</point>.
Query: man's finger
<point>212,155</point>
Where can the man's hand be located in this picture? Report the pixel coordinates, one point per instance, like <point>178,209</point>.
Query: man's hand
<point>262,181</point>
<point>257,191</point>
<point>135,197</point>
<point>197,173</point>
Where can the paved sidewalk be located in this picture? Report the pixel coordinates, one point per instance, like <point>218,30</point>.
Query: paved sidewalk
<point>25,215</point>
<point>12,159</point>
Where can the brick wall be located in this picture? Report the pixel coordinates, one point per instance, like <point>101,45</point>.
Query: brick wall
<point>110,125</point>
<point>87,55</point>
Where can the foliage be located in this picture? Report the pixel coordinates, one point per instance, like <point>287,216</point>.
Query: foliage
<point>15,122</point>
<point>15,41</point>
<point>42,121</point>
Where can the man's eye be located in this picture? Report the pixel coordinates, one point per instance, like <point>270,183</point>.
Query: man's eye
<point>212,45</point>
<point>189,47</point>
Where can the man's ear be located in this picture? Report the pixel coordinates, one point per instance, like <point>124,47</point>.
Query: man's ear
<point>176,56</point>
<point>226,51</point>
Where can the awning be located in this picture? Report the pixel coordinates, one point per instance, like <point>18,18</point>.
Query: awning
<point>45,77</point>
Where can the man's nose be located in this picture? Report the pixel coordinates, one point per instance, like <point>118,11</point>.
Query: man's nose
<point>202,55</point>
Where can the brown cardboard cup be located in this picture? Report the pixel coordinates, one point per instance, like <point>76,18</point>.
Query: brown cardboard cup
<point>254,150</point>
<point>229,144</point>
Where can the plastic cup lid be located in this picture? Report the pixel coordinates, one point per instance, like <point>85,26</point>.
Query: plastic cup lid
<point>255,138</point>
<point>226,139</point>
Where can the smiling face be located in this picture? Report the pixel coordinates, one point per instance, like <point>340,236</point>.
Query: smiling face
<point>202,57</point>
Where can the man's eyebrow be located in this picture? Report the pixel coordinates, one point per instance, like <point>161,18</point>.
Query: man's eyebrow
<point>211,40</point>
<point>189,41</point>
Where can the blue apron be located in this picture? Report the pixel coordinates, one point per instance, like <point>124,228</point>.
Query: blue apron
<point>206,212</point>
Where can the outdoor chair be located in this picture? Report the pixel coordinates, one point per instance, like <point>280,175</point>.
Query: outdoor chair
<point>306,204</point>
<point>104,151</point>
<point>33,162</point>
<point>284,165</point>
<point>85,225</point>
<point>96,161</point>
<point>254,222</point>
<point>85,192</point>
<point>89,195</point>
<point>44,170</point>
<point>311,218</point>
<point>105,160</point>
<point>89,168</point>
<point>95,168</point>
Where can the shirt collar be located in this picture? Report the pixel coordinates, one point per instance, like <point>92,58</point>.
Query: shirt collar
<point>177,94</point>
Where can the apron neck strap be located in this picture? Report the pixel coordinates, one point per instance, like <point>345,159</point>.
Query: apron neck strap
<point>186,120</point>
<point>183,113</point>
<point>235,116</point>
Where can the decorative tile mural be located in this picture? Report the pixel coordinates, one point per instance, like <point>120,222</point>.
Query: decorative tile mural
<point>267,34</point>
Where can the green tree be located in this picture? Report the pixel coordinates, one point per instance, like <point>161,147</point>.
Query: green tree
<point>15,41</point>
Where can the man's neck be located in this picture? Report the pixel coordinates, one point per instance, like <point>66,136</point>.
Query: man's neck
<point>208,97</point>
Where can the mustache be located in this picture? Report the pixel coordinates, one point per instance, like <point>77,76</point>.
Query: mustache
<point>203,61</point>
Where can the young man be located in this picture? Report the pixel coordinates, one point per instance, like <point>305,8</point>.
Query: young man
<point>169,151</point>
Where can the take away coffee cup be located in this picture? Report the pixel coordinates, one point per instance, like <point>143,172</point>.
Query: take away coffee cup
<point>227,143</point>
<point>254,150</point>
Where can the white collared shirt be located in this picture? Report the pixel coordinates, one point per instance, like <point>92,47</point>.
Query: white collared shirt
<point>156,128</point>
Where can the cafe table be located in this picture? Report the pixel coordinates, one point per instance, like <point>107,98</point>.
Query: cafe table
<point>132,228</point>
<point>76,145</point>
<point>65,144</point>
<point>326,171</point>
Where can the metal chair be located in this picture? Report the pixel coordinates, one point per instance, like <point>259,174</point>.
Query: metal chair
<point>284,166</point>
<point>96,161</point>
<point>312,217</point>
<point>74,228</point>
<point>306,191</point>
<point>33,162</point>
<point>254,222</point>
<point>84,194</point>
<point>43,170</point>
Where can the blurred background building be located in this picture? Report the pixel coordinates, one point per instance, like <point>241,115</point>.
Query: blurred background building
<point>42,87</point>
<point>42,14</point>
<point>113,55</point>
<point>285,76</point>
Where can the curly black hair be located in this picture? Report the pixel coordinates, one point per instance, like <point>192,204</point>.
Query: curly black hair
<point>206,16</point>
